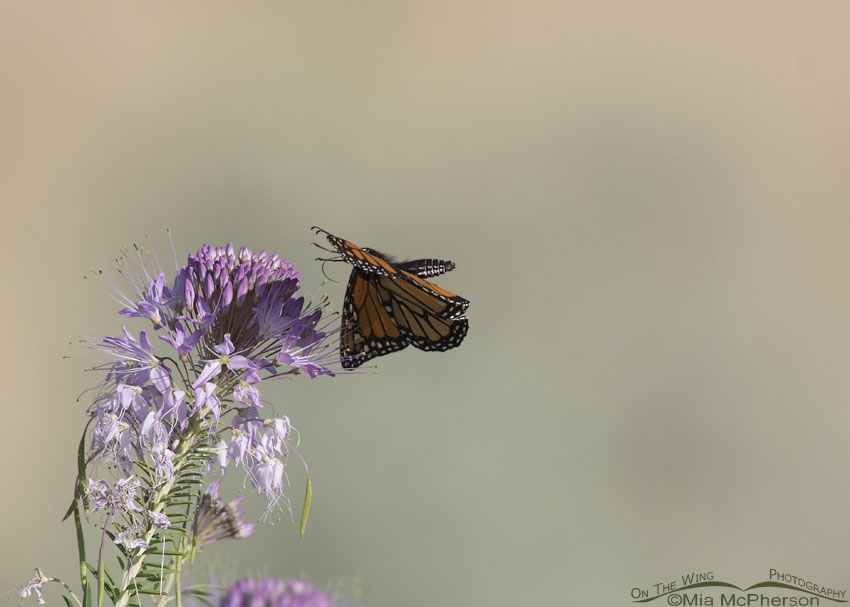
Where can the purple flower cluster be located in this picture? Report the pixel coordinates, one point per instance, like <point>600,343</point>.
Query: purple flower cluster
<point>270,592</point>
<point>121,497</point>
<point>229,321</point>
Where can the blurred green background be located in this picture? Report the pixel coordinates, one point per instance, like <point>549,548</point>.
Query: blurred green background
<point>648,207</point>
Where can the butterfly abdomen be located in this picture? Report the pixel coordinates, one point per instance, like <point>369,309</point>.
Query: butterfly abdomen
<point>425,268</point>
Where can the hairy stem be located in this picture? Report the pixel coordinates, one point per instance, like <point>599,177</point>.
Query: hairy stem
<point>157,503</point>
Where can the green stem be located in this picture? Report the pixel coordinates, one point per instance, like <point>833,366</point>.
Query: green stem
<point>81,551</point>
<point>101,569</point>
<point>178,589</point>
<point>101,581</point>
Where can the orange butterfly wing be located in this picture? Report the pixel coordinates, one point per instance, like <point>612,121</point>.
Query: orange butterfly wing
<point>389,306</point>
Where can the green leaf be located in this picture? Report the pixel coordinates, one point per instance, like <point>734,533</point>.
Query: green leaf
<point>149,591</point>
<point>153,574</point>
<point>202,452</point>
<point>169,553</point>
<point>67,601</point>
<point>186,495</point>
<point>79,489</point>
<point>199,594</point>
<point>305,512</point>
<point>179,530</point>
<point>144,471</point>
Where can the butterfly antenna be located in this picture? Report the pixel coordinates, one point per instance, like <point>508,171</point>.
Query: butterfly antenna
<point>318,246</point>
<point>319,230</point>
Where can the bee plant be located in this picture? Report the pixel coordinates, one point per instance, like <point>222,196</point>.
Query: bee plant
<point>179,405</point>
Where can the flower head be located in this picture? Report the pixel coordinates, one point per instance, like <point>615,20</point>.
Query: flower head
<point>230,321</point>
<point>270,592</point>
<point>34,586</point>
<point>120,497</point>
<point>131,537</point>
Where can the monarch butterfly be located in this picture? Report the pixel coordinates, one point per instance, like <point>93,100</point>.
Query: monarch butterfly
<point>389,305</point>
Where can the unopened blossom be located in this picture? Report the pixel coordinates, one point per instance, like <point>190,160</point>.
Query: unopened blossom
<point>218,521</point>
